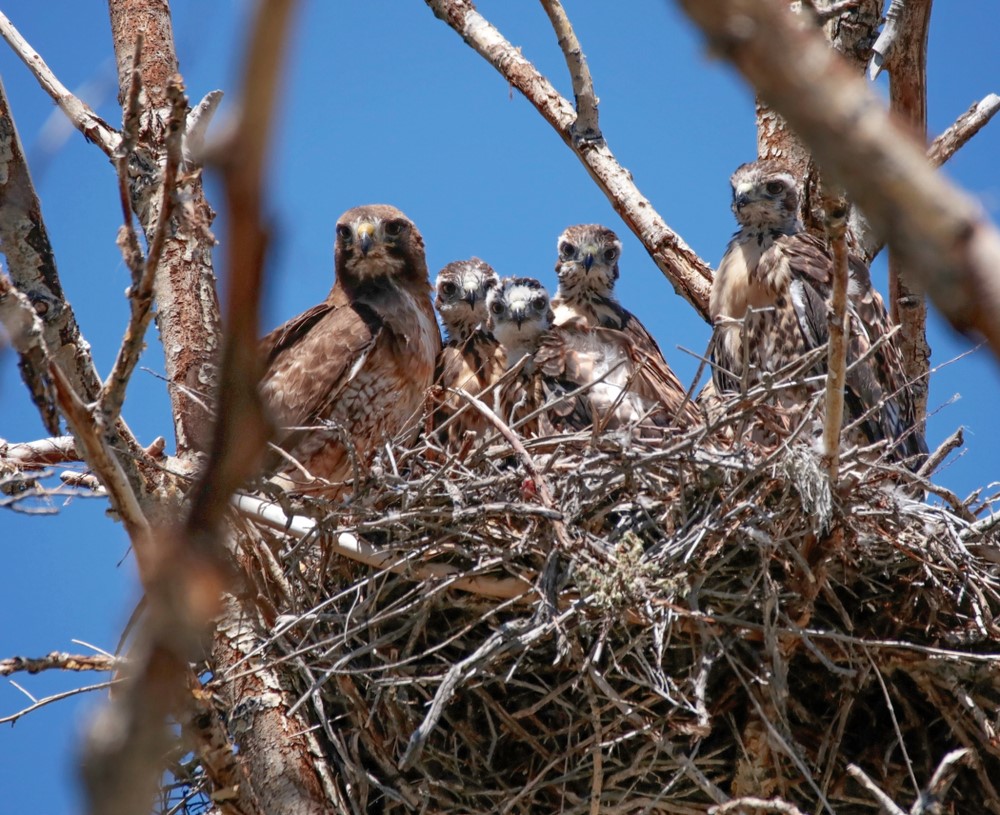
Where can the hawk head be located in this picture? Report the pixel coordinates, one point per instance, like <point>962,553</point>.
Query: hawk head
<point>461,290</point>
<point>378,244</point>
<point>519,314</point>
<point>766,196</point>
<point>588,261</point>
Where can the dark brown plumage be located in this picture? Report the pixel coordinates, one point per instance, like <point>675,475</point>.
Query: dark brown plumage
<point>471,359</point>
<point>353,370</point>
<point>784,275</point>
<point>602,344</point>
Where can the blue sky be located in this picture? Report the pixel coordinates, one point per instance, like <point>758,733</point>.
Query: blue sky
<point>384,103</point>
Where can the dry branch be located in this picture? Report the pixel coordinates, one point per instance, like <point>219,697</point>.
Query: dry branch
<point>836,229</point>
<point>60,661</point>
<point>32,455</point>
<point>964,128</point>
<point>942,235</point>
<point>92,126</point>
<point>689,275</point>
<point>586,126</point>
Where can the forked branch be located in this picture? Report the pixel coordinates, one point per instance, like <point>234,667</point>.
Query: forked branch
<point>690,276</point>
<point>92,126</point>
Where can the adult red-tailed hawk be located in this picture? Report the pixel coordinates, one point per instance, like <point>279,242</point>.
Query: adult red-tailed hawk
<point>471,359</point>
<point>776,279</point>
<point>604,345</point>
<point>353,371</point>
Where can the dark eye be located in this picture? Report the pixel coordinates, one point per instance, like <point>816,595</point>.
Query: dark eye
<point>448,289</point>
<point>538,302</point>
<point>344,233</point>
<point>496,307</point>
<point>611,255</point>
<point>395,228</point>
<point>775,187</point>
<point>567,250</point>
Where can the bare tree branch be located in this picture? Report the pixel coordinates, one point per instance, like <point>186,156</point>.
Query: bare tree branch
<point>964,128</point>
<point>942,235</point>
<point>836,377</point>
<point>884,801</point>
<point>59,661</point>
<point>92,126</point>
<point>689,275</point>
<point>906,62</point>
<point>141,294</point>
<point>586,125</point>
<point>33,455</point>
<point>357,549</point>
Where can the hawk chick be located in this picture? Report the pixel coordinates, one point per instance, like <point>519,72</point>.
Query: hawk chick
<point>770,295</point>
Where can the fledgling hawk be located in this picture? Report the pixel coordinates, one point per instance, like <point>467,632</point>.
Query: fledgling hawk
<point>770,296</point>
<point>604,345</point>
<point>353,371</point>
<point>471,359</point>
<point>521,320</point>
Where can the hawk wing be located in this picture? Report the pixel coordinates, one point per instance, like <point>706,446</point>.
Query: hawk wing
<point>310,359</point>
<point>656,379</point>
<point>875,387</point>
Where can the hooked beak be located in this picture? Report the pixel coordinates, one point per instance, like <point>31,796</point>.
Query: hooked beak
<point>741,200</point>
<point>518,315</point>
<point>366,237</point>
<point>588,261</point>
<point>470,297</point>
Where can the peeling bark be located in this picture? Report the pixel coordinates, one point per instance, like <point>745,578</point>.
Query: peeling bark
<point>279,753</point>
<point>188,315</point>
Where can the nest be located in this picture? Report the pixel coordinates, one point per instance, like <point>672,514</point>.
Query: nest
<point>622,625</point>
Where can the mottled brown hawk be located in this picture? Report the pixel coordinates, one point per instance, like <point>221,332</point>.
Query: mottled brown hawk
<point>471,359</point>
<point>521,317</point>
<point>769,306</point>
<point>353,371</point>
<point>603,345</point>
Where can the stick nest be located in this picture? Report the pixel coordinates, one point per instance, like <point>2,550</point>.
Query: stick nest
<point>699,621</point>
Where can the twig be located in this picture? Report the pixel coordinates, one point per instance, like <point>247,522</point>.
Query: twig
<point>128,241</point>
<point>61,661</point>
<point>835,208</point>
<point>884,800</point>
<point>106,466</point>
<point>359,550</point>
<point>141,295</point>
<point>56,697</point>
<point>740,804</point>
<point>92,126</point>
<point>953,442</point>
<point>962,129</point>
<point>689,275</point>
<point>944,239</point>
<point>586,127</point>
<point>929,800</point>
